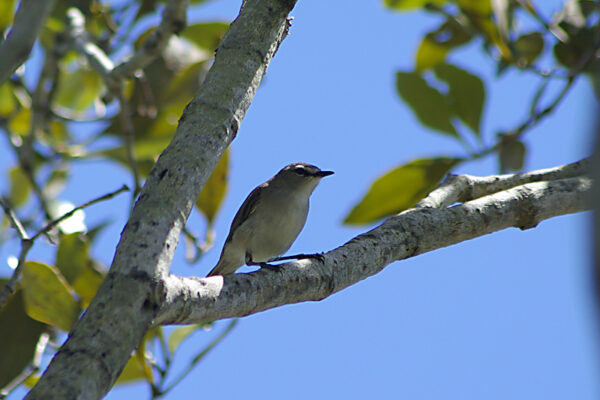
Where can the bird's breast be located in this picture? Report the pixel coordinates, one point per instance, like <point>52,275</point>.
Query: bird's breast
<point>282,225</point>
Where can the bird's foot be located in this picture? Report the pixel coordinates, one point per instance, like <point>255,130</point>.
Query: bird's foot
<point>262,265</point>
<point>316,256</point>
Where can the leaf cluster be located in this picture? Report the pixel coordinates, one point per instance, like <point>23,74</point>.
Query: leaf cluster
<point>67,114</point>
<point>450,100</point>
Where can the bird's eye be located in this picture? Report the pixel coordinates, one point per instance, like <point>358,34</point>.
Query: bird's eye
<point>300,170</point>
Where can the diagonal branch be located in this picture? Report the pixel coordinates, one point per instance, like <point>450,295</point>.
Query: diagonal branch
<point>461,188</point>
<point>413,232</point>
<point>130,296</point>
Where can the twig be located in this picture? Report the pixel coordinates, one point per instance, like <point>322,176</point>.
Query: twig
<point>198,358</point>
<point>41,99</point>
<point>13,219</point>
<point>31,369</point>
<point>200,247</point>
<point>555,30</point>
<point>27,242</point>
<point>173,21</point>
<point>82,43</point>
<point>58,220</point>
<point>534,119</point>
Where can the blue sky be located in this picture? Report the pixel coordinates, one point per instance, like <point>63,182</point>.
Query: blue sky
<point>508,315</point>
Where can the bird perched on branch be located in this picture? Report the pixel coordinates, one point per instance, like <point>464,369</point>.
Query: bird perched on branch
<point>270,219</point>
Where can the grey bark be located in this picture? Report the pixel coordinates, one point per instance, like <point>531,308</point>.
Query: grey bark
<point>100,344</point>
<point>413,232</point>
<point>140,293</point>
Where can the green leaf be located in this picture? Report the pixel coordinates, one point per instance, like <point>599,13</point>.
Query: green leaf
<point>430,53</point>
<point>183,86</point>
<point>528,48</point>
<point>133,371</point>
<point>400,189</point>
<point>48,296</point>
<point>512,156</point>
<point>436,44</point>
<point>571,52</point>
<point>206,35</point>
<point>466,94</point>
<point>146,151</point>
<point>428,104</point>
<point>19,335</point>
<point>7,11</point>
<point>87,283</point>
<point>19,187</point>
<point>93,232</point>
<point>72,255</point>
<point>480,7</point>
<point>77,90</point>
<point>20,122</point>
<point>138,367</point>
<point>404,5</point>
<point>8,102</point>
<point>213,193</point>
<point>480,15</point>
<point>178,335</point>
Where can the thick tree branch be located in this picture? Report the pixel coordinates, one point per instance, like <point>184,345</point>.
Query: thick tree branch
<point>461,188</point>
<point>15,49</point>
<point>413,232</point>
<point>127,302</point>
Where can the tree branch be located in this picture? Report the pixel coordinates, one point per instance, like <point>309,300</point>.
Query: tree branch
<point>128,300</point>
<point>173,21</point>
<point>15,49</point>
<point>27,242</point>
<point>413,232</point>
<point>461,188</point>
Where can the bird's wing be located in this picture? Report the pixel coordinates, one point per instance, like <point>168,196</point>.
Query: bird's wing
<point>247,209</point>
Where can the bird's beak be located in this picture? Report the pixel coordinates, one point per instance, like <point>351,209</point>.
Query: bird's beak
<point>322,174</point>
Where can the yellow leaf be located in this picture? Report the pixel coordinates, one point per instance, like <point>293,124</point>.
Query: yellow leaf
<point>8,102</point>
<point>405,5</point>
<point>89,280</point>
<point>77,90</point>
<point>19,187</point>
<point>20,123</point>
<point>133,371</point>
<point>180,334</point>
<point>48,297</point>
<point>212,194</point>
<point>400,189</point>
<point>72,255</point>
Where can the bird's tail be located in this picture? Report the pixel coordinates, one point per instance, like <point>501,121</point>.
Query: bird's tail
<point>227,264</point>
<point>214,271</point>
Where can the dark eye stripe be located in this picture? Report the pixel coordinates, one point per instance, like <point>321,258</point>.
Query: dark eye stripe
<point>302,171</point>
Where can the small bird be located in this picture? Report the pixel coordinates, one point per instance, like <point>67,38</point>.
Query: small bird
<point>270,219</point>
